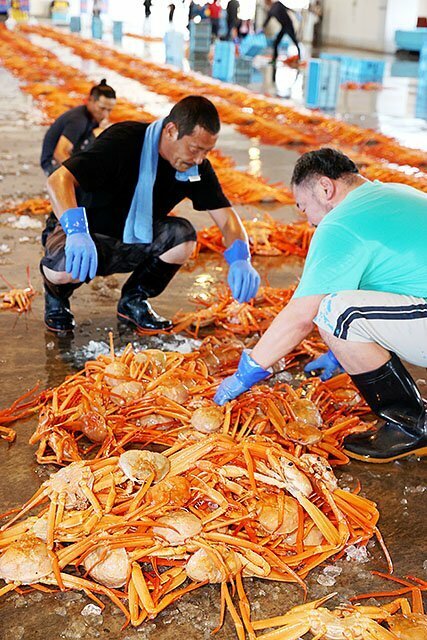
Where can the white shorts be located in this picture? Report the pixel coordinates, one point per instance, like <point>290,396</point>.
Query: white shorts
<point>396,322</point>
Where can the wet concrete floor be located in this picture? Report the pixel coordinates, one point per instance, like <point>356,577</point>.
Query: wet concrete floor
<point>29,355</point>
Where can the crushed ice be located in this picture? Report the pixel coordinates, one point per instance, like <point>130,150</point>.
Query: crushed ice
<point>95,348</point>
<point>327,577</point>
<point>332,570</point>
<point>358,554</point>
<point>325,581</point>
<point>420,488</point>
<point>23,222</point>
<point>91,610</point>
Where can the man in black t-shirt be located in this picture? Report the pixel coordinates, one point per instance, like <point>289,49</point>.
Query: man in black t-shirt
<point>112,204</point>
<point>76,129</point>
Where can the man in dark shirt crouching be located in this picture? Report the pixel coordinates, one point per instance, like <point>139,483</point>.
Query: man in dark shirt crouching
<point>76,129</point>
<point>112,204</point>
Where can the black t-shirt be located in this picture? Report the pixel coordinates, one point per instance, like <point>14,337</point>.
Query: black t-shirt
<point>108,173</point>
<point>76,124</point>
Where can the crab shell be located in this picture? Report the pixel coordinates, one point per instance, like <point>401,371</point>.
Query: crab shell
<point>26,561</point>
<point>108,566</point>
<point>137,465</point>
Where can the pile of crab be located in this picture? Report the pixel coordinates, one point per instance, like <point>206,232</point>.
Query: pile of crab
<point>220,312</point>
<point>267,237</point>
<point>143,527</point>
<point>166,398</point>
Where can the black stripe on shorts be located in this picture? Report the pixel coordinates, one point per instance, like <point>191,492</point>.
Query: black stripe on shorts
<point>409,312</point>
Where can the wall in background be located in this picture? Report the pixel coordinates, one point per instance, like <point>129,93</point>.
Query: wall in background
<point>369,24</point>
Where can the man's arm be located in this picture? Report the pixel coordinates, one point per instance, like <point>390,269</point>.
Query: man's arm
<point>81,258</point>
<point>63,149</point>
<point>242,278</point>
<point>287,330</point>
<point>230,225</point>
<point>292,324</point>
<point>61,187</point>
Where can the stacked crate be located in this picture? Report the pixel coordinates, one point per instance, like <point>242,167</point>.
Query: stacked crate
<point>243,70</point>
<point>421,99</point>
<point>224,61</point>
<point>97,27</point>
<point>75,24</point>
<point>411,40</point>
<point>174,48</point>
<point>117,31</point>
<point>200,42</point>
<point>358,70</point>
<point>322,84</point>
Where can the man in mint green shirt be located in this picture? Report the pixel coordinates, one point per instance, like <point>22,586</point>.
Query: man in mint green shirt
<point>364,285</point>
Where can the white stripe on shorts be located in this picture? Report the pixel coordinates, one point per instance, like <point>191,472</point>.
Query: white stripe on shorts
<point>394,321</point>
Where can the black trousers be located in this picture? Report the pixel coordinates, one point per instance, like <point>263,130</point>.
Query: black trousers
<point>114,256</point>
<point>287,28</point>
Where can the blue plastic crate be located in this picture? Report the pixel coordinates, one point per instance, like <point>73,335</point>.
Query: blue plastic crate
<point>174,48</point>
<point>200,36</point>
<point>243,70</point>
<point>253,45</point>
<point>422,67</point>
<point>75,24</point>
<point>366,70</point>
<point>404,69</point>
<point>412,40</point>
<point>421,102</point>
<point>97,27</point>
<point>223,26</point>
<point>357,69</point>
<point>60,17</point>
<point>322,84</point>
<point>224,59</point>
<point>344,61</point>
<point>117,31</point>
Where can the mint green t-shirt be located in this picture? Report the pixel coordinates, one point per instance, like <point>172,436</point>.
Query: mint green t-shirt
<point>375,239</point>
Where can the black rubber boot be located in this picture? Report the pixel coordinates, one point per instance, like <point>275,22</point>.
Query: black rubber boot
<point>147,281</point>
<point>393,395</point>
<point>57,314</point>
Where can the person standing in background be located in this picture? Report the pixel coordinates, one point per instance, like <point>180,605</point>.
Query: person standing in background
<point>280,12</point>
<point>233,19</point>
<point>147,7</point>
<point>171,8</point>
<point>316,8</point>
<point>215,10</point>
<point>96,8</point>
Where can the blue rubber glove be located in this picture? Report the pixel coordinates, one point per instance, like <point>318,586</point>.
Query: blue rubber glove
<point>242,277</point>
<point>248,373</point>
<point>81,258</point>
<point>328,363</point>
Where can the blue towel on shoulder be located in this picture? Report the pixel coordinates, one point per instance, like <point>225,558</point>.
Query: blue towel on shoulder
<point>139,221</point>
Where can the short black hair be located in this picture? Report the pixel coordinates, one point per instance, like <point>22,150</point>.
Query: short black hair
<point>323,162</point>
<point>102,89</point>
<point>194,111</point>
